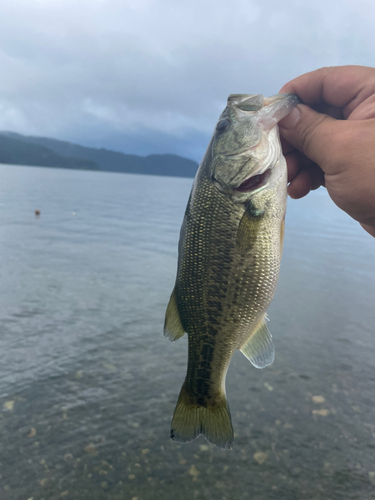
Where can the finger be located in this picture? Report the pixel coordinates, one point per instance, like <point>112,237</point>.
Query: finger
<point>329,110</point>
<point>286,147</point>
<point>339,86</point>
<point>293,164</point>
<point>307,179</point>
<point>316,176</point>
<point>364,111</point>
<point>296,161</point>
<point>300,186</point>
<point>310,132</point>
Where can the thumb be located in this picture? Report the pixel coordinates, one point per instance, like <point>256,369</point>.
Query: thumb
<point>309,131</point>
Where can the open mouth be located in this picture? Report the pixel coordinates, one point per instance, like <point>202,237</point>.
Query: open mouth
<point>254,182</point>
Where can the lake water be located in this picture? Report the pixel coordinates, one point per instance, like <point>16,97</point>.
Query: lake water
<point>88,383</point>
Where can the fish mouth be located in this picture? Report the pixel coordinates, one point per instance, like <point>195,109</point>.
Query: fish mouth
<point>254,182</point>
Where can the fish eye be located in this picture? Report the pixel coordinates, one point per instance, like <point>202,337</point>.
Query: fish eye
<point>222,125</point>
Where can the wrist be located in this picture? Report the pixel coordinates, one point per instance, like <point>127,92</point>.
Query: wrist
<point>369,229</point>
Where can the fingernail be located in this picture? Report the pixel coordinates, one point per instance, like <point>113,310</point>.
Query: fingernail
<point>291,120</point>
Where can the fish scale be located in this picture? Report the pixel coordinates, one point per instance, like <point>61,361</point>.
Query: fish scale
<point>229,258</point>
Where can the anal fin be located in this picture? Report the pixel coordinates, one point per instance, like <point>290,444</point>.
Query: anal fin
<point>173,328</point>
<point>259,348</point>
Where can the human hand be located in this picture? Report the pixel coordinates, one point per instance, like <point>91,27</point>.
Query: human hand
<point>330,139</point>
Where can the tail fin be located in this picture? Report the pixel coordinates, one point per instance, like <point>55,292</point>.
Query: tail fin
<point>191,420</point>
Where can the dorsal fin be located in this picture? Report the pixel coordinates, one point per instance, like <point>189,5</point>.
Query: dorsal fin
<point>252,104</point>
<point>246,102</point>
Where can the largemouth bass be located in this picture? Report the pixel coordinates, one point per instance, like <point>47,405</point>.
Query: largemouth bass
<point>229,258</point>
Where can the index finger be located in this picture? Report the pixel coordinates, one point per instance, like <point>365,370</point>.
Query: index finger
<point>340,86</point>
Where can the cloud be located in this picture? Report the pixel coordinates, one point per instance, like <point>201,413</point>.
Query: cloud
<point>146,75</point>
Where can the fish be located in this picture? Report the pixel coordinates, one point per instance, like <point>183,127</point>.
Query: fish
<point>229,257</point>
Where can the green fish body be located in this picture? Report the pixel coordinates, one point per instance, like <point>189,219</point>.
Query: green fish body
<point>229,258</point>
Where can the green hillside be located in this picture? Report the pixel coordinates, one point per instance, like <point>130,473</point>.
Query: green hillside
<point>43,151</point>
<point>18,152</point>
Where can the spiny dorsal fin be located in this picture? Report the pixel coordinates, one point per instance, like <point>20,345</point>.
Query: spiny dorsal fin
<point>173,328</point>
<point>252,104</point>
<point>259,348</point>
<point>246,102</point>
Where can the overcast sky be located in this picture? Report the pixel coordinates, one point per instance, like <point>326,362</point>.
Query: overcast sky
<point>152,76</point>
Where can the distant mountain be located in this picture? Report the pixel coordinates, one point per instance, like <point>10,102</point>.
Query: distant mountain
<point>42,151</point>
<point>18,152</point>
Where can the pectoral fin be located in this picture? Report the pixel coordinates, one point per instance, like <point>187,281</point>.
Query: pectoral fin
<point>259,348</point>
<point>248,229</point>
<point>173,328</point>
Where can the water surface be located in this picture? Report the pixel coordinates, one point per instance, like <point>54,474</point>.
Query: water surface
<point>88,383</point>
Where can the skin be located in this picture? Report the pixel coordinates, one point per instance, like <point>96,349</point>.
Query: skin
<point>330,139</point>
